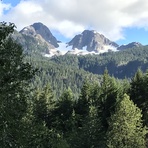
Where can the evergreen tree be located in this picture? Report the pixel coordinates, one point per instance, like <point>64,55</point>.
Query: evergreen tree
<point>44,122</point>
<point>125,126</point>
<point>62,114</point>
<point>91,134</point>
<point>82,105</point>
<point>81,113</point>
<point>139,93</point>
<point>137,89</point>
<point>108,98</point>
<point>15,75</point>
<point>43,103</point>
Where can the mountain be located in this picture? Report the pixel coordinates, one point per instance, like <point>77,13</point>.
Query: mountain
<point>130,45</point>
<point>37,38</point>
<point>92,41</point>
<point>39,29</point>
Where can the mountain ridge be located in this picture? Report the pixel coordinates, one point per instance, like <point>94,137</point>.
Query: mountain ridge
<point>38,38</point>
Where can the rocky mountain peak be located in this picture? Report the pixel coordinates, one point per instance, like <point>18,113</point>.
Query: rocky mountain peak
<point>39,30</point>
<point>37,38</point>
<point>92,40</point>
<point>130,45</point>
<point>45,33</point>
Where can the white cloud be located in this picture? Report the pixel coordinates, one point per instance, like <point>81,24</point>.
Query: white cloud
<point>70,17</point>
<point>3,8</point>
<point>69,28</point>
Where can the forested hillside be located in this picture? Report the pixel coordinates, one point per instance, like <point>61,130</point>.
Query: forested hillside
<point>62,102</point>
<point>61,76</point>
<point>69,71</point>
<point>120,64</point>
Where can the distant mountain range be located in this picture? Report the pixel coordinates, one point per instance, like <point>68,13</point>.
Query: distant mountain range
<point>37,38</point>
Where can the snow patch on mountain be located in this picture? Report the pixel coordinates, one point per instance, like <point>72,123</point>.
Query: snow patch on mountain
<point>65,49</point>
<point>77,51</point>
<point>107,48</point>
<point>51,53</point>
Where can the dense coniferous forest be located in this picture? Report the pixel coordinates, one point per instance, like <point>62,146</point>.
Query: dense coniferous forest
<point>93,101</point>
<point>71,70</point>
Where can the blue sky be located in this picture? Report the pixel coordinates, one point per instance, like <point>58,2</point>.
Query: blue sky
<point>119,20</point>
<point>134,34</point>
<point>13,2</point>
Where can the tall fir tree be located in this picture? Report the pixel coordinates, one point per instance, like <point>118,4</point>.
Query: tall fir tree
<point>15,75</point>
<point>139,93</point>
<point>108,98</point>
<point>82,104</point>
<point>41,134</point>
<point>62,113</point>
<point>125,126</point>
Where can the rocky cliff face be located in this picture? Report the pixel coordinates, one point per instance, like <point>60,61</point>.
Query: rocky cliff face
<point>92,41</point>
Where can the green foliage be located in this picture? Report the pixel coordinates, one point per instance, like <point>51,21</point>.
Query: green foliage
<point>60,75</point>
<point>110,92</point>
<point>71,70</point>
<point>82,105</point>
<point>43,103</point>
<point>139,93</point>
<point>79,108</point>
<point>119,64</point>
<point>62,113</point>
<point>14,78</point>
<point>125,126</point>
